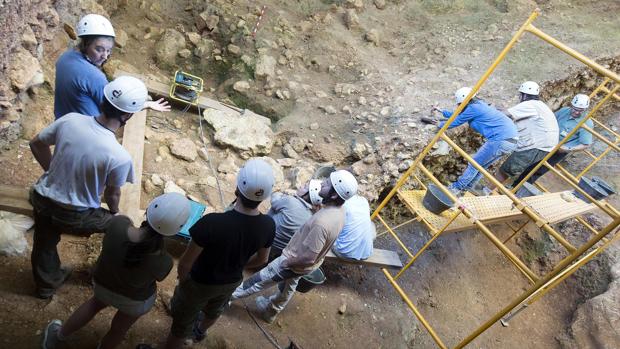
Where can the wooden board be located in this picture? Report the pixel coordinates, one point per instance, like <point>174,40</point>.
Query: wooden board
<point>497,208</point>
<point>379,258</point>
<point>163,90</point>
<point>133,142</point>
<point>15,199</point>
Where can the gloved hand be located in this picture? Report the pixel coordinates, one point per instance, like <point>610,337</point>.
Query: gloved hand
<point>429,120</point>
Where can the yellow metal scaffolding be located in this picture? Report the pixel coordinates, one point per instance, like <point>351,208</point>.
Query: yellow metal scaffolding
<point>467,217</point>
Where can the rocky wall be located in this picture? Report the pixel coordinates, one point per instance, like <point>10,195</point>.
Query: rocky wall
<point>25,27</point>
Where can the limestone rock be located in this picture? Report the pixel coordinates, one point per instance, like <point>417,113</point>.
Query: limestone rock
<point>121,38</point>
<point>185,53</point>
<point>329,109</point>
<point>193,37</point>
<point>598,319</point>
<point>241,86</point>
<point>184,149</point>
<point>351,20</point>
<point>288,151</point>
<point>156,179</point>
<point>265,67</point>
<point>356,4</point>
<point>233,49</point>
<point>168,46</point>
<point>204,48</point>
<point>380,4</point>
<point>345,89</point>
<point>302,175</point>
<point>298,144</point>
<point>206,21</point>
<point>151,188</point>
<point>29,40</point>
<point>26,71</point>
<point>360,150</point>
<point>248,133</point>
<point>314,126</point>
<point>286,162</point>
<point>372,36</point>
<point>228,165</point>
<point>171,187</point>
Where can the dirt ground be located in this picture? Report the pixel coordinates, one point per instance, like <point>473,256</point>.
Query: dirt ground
<point>457,285</point>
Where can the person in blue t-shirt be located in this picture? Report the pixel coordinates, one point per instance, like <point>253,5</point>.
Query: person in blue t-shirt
<point>568,118</point>
<point>79,79</point>
<point>499,131</point>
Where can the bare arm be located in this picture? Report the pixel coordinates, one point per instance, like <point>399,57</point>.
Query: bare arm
<point>187,260</point>
<point>112,196</point>
<point>259,258</point>
<point>42,152</point>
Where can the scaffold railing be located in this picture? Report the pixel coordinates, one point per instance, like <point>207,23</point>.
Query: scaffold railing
<point>467,216</point>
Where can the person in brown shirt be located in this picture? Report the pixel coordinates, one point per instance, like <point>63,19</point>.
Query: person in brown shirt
<point>306,250</point>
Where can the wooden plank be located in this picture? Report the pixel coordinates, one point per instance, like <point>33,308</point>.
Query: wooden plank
<point>133,141</point>
<point>163,90</point>
<point>552,207</point>
<point>15,199</point>
<point>379,258</point>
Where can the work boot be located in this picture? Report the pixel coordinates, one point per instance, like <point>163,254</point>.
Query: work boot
<point>265,309</point>
<point>50,336</point>
<point>47,293</point>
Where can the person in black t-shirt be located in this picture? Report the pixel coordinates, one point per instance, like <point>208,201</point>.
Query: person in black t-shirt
<point>131,261</point>
<point>222,245</point>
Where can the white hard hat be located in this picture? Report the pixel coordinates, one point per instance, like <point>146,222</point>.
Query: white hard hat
<point>93,24</point>
<point>314,187</point>
<point>255,180</point>
<point>126,93</point>
<point>461,93</point>
<point>581,101</point>
<point>530,88</point>
<point>344,183</point>
<point>168,213</point>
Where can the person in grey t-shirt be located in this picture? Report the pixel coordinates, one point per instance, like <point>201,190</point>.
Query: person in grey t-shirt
<point>290,212</point>
<point>87,162</point>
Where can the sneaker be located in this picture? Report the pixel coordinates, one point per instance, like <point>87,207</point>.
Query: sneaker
<point>50,336</point>
<point>265,309</point>
<point>198,334</point>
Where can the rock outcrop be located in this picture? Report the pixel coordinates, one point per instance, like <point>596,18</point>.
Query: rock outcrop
<point>249,134</point>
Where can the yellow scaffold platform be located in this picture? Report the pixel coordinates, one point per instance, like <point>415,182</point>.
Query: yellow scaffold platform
<point>552,208</point>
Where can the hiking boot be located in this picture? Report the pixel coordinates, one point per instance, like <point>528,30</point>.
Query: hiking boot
<point>265,309</point>
<point>47,293</point>
<point>50,336</point>
<point>198,334</point>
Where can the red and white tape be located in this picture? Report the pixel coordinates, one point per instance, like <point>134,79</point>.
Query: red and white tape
<point>260,17</point>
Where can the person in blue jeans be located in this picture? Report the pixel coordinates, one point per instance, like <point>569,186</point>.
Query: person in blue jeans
<point>499,131</point>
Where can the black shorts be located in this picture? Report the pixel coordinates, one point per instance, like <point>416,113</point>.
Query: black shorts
<point>519,161</point>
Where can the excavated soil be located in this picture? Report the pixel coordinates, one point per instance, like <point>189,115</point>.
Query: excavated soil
<point>433,49</point>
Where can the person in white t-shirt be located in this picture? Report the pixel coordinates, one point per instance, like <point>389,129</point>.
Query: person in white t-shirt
<point>538,132</point>
<point>87,162</point>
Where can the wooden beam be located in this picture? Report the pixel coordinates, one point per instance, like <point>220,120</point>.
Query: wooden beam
<point>379,258</point>
<point>163,90</point>
<point>15,199</point>
<point>133,141</point>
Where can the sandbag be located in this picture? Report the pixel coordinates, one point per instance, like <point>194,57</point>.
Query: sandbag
<point>12,229</point>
